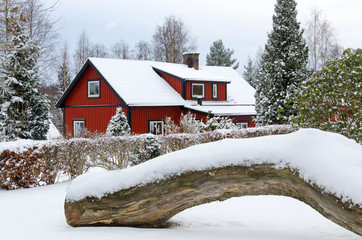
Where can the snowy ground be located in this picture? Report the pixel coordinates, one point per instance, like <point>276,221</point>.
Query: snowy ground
<point>38,214</point>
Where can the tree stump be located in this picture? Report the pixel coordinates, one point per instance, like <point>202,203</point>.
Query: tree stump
<point>153,204</point>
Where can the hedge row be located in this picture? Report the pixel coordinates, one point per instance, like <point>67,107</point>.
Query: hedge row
<point>39,166</point>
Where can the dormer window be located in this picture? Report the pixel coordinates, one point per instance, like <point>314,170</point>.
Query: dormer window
<point>94,89</point>
<point>198,90</point>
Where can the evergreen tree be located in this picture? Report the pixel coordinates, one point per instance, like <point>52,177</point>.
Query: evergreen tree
<point>283,66</point>
<point>118,125</point>
<point>250,73</point>
<point>24,111</point>
<point>220,56</point>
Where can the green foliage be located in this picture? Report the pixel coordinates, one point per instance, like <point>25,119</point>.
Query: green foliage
<point>220,56</point>
<point>331,99</point>
<point>283,65</point>
<point>118,125</point>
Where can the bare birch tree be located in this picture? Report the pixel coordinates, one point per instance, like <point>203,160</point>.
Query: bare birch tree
<point>143,51</point>
<point>321,40</point>
<point>82,52</point>
<point>40,23</point>
<point>98,50</point>
<point>172,39</point>
<point>121,50</point>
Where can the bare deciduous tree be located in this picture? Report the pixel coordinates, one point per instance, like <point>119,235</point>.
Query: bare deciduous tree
<point>172,39</point>
<point>321,40</point>
<point>121,50</point>
<point>41,26</point>
<point>98,50</point>
<point>143,51</point>
<point>82,52</point>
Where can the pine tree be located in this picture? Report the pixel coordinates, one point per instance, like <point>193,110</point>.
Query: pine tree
<point>118,125</point>
<point>283,66</point>
<point>24,111</point>
<point>220,56</point>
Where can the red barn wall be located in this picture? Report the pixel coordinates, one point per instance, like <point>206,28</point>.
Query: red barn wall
<point>141,115</point>
<point>175,83</point>
<point>221,91</point>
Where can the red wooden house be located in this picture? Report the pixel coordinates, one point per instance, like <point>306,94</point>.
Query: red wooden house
<point>148,92</point>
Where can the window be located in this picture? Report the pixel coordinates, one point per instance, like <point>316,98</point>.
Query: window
<point>156,127</point>
<point>214,90</point>
<point>93,89</point>
<point>79,129</point>
<point>242,125</point>
<point>198,90</point>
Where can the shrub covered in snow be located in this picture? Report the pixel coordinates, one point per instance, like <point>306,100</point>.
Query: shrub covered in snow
<point>23,170</point>
<point>74,157</point>
<point>118,125</point>
<point>218,123</point>
<point>189,124</point>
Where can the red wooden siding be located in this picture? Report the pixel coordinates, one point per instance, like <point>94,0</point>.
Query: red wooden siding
<point>221,92</point>
<point>141,115</point>
<point>79,94</point>
<point>96,118</point>
<point>244,119</point>
<point>175,83</point>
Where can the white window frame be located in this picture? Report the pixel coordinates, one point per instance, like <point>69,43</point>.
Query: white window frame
<point>196,95</point>
<point>89,89</point>
<point>151,127</point>
<point>242,125</point>
<point>79,133</point>
<point>214,90</point>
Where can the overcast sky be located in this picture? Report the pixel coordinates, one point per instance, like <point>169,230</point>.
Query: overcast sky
<point>243,25</point>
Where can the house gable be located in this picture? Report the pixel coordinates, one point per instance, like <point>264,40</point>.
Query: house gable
<point>77,92</point>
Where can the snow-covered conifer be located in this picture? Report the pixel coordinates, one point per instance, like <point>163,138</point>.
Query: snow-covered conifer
<point>118,125</point>
<point>24,110</point>
<point>283,65</point>
<point>221,56</point>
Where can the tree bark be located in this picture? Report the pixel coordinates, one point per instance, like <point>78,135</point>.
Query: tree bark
<point>153,204</point>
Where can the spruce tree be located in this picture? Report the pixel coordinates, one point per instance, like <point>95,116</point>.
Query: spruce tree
<point>283,65</point>
<point>221,56</point>
<point>118,125</point>
<point>24,111</point>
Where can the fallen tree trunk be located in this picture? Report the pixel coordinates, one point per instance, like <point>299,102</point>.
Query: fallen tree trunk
<point>153,204</point>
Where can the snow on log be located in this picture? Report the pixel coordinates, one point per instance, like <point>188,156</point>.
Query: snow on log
<point>324,170</point>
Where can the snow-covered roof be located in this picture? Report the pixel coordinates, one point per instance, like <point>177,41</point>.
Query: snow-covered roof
<point>224,110</point>
<point>189,74</point>
<point>137,83</point>
<point>239,91</point>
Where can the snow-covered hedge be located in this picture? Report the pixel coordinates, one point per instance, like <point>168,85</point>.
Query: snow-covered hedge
<point>74,157</point>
